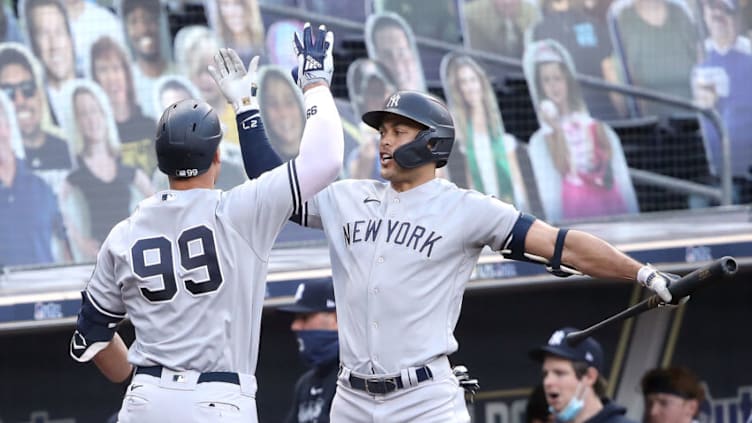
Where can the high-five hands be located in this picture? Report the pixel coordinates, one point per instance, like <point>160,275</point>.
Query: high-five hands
<point>237,84</point>
<point>315,62</point>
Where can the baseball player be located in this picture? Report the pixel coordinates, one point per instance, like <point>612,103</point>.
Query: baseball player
<point>189,266</point>
<point>402,252</point>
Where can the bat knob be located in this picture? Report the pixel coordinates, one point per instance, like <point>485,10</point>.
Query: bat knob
<point>576,337</point>
<point>676,302</point>
<point>729,265</point>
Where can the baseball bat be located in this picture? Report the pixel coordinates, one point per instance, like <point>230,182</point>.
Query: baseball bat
<point>717,270</point>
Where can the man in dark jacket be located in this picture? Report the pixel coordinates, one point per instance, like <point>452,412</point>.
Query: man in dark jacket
<point>572,381</point>
<point>315,325</point>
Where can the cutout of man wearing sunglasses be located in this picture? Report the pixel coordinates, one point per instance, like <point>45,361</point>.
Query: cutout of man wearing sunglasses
<point>46,154</point>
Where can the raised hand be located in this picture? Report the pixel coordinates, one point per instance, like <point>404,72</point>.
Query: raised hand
<point>315,62</point>
<point>237,84</point>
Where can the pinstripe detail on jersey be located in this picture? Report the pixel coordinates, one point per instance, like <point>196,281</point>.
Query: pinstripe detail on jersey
<point>301,218</point>
<point>292,173</point>
<point>101,309</point>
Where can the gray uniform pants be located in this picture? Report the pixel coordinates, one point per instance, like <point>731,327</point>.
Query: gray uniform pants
<point>177,397</point>
<point>439,400</point>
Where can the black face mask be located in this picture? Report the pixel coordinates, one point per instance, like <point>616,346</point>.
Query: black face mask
<point>317,347</point>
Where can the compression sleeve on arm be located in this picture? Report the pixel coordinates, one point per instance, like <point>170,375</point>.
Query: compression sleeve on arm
<point>323,144</point>
<point>258,154</point>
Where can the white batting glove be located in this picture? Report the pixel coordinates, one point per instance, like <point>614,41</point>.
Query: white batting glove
<point>315,61</point>
<point>657,281</point>
<point>237,84</point>
<point>469,384</point>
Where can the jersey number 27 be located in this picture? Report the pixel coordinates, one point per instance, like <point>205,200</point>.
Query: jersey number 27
<point>160,263</point>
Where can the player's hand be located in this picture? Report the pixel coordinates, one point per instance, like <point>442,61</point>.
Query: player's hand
<point>237,84</point>
<point>315,61</point>
<point>675,302</point>
<point>470,385</point>
<point>657,281</point>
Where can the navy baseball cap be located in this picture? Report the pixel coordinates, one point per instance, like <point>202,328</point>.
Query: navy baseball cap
<point>588,350</point>
<point>313,296</point>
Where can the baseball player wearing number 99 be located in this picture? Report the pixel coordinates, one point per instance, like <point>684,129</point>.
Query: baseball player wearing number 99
<point>189,266</point>
<point>402,252</point>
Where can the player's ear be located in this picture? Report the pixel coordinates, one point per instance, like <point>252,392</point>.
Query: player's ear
<point>216,158</point>
<point>216,165</point>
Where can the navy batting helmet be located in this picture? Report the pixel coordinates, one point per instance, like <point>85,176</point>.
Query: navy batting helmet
<point>432,144</point>
<point>187,138</point>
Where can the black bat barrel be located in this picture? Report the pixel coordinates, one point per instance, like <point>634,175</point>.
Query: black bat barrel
<point>687,285</point>
<point>719,269</point>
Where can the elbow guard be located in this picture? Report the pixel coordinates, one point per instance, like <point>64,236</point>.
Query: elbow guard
<point>514,248</point>
<point>94,329</point>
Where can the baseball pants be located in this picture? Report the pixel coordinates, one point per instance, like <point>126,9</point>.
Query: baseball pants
<point>178,397</point>
<point>439,400</point>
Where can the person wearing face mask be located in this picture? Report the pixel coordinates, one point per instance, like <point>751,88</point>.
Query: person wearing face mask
<point>572,381</point>
<point>315,326</point>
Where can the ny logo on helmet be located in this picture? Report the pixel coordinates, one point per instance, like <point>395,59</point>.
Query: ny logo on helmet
<point>393,101</point>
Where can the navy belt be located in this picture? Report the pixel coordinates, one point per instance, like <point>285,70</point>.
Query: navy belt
<point>227,377</point>
<point>385,385</point>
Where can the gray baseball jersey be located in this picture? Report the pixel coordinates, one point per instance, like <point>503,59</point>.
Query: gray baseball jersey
<point>189,269</point>
<point>400,264</point>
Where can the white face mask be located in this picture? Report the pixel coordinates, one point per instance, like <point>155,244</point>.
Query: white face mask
<point>573,408</point>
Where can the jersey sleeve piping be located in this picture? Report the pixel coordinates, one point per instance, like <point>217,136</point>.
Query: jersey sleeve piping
<point>102,309</point>
<point>292,174</point>
<point>301,218</point>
